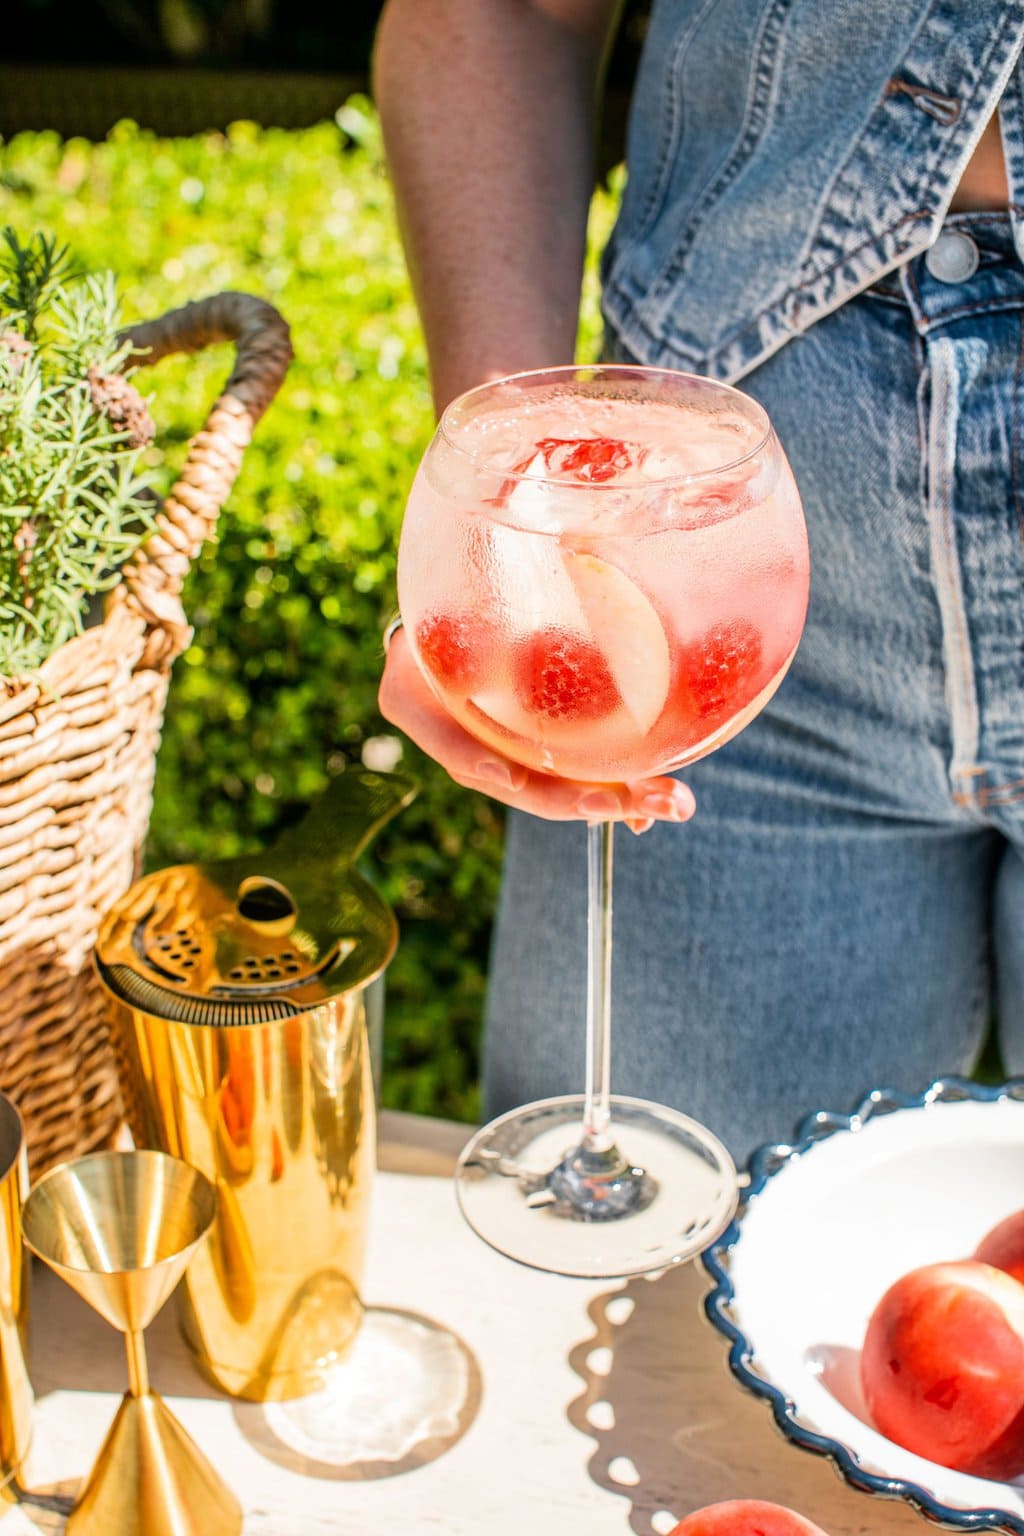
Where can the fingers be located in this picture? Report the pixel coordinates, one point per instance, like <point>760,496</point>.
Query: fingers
<point>408,703</point>
<point>658,799</point>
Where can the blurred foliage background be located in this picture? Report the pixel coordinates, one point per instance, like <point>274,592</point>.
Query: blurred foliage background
<point>278,689</point>
<point>289,34</point>
<point>228,34</point>
<point>185,66</point>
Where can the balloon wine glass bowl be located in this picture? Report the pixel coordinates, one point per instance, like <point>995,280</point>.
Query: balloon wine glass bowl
<point>120,1229</point>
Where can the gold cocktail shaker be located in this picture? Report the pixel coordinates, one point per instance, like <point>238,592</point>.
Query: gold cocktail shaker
<point>237,1001</point>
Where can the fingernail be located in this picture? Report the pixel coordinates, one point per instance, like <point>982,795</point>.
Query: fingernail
<point>599,805</point>
<point>501,775</point>
<point>639,824</point>
<point>665,807</point>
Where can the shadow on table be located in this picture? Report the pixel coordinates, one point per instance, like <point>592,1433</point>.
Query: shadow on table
<point>406,1392</point>
<point>47,1507</point>
<point>404,1395</point>
<point>86,1354</point>
<point>640,1368</point>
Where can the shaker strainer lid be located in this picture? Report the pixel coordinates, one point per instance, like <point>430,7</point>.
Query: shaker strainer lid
<point>248,940</point>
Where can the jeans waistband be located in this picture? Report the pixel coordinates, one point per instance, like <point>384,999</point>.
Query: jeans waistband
<point>997,283</point>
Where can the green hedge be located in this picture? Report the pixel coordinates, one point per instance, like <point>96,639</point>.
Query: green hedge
<point>278,689</point>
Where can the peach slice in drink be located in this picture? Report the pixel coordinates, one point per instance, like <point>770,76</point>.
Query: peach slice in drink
<point>626,627</point>
<point>598,654</point>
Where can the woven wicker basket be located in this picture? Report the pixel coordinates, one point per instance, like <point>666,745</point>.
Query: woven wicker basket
<point>78,743</point>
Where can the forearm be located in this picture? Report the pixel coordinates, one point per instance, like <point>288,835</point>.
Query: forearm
<point>488,110</point>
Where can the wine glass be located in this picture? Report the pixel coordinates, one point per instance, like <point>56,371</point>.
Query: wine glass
<point>602,575</point>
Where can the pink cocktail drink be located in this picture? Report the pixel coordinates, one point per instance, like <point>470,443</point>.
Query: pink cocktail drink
<point>603,575</point>
<point>603,588</point>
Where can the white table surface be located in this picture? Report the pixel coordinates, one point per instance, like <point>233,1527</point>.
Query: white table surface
<point>593,1409</point>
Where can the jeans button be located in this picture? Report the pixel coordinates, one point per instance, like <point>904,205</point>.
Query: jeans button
<point>953,258</point>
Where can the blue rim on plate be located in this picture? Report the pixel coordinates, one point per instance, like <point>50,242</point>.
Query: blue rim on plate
<point>764,1164</point>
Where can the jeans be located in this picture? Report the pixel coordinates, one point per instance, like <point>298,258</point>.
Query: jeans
<point>847,904</point>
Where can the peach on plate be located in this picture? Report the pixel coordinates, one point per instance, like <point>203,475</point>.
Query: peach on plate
<point>746,1517</point>
<point>1003,1246</point>
<point>942,1367</point>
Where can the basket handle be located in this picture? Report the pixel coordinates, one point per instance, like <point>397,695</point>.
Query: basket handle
<point>153,578</point>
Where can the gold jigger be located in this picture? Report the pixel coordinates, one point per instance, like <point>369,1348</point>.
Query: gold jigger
<point>120,1228</point>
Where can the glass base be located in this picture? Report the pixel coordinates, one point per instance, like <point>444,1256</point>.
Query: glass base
<point>405,1392</point>
<point>529,1190</point>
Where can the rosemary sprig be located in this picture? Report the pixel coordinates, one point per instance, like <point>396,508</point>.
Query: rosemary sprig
<point>74,502</point>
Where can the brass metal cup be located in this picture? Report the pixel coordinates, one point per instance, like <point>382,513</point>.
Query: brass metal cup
<point>15,1387</point>
<point>120,1229</point>
<point>237,999</point>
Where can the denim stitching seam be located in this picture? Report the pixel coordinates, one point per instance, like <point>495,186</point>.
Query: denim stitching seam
<point>1011,133</point>
<point>778,310</point>
<point>839,181</point>
<point>1002,50</point>
<point>797,298</point>
<point>669,145</point>
<point>1015,436</point>
<point>979,307</point>
<point>755,116</point>
<point>972,219</point>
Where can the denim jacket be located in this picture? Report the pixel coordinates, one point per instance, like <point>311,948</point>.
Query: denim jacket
<point>784,154</point>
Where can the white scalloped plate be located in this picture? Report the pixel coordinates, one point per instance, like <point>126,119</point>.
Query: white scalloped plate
<point>827,1224</point>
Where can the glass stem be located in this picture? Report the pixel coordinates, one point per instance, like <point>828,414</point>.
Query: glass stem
<point>597,1108</point>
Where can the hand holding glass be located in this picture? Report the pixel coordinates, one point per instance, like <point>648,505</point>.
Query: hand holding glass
<point>603,576</point>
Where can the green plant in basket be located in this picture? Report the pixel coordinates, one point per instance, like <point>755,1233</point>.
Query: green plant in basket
<point>73,501</point>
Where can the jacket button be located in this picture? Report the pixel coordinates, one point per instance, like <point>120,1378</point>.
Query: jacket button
<point>953,258</point>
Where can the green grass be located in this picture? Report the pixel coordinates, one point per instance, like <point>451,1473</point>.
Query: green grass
<point>278,690</point>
